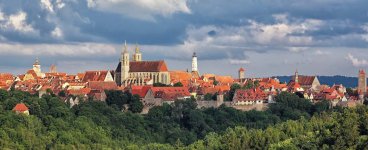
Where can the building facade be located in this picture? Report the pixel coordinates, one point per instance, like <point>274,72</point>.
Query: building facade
<point>138,72</point>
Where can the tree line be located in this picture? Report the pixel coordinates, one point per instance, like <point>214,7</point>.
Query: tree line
<point>291,123</point>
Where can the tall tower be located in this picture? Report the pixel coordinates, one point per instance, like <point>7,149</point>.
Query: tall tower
<point>124,60</point>
<point>137,56</point>
<point>53,69</point>
<point>362,82</point>
<point>296,76</point>
<point>194,63</point>
<point>37,67</point>
<point>241,73</point>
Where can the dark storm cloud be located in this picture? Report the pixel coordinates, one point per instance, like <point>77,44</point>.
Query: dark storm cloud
<point>83,24</point>
<point>235,30</point>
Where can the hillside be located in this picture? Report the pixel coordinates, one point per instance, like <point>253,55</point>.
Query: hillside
<point>329,80</point>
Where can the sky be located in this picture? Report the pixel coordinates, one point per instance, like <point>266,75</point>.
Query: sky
<point>266,37</point>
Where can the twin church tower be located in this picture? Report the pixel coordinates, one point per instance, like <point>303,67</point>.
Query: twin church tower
<point>139,72</point>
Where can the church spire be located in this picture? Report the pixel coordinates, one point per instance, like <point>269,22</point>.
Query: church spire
<point>296,76</point>
<point>125,47</point>
<point>137,48</point>
<point>137,56</point>
<point>37,62</point>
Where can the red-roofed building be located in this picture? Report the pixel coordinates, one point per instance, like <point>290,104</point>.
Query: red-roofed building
<point>249,97</point>
<point>98,85</point>
<point>21,108</point>
<point>80,92</point>
<point>138,72</point>
<point>158,95</point>
<point>97,76</point>
<point>306,82</point>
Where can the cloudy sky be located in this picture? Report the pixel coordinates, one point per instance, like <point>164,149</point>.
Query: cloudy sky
<point>317,37</point>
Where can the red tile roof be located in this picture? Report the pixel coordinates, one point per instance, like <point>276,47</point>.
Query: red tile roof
<point>6,76</point>
<point>241,69</point>
<point>95,76</point>
<point>249,95</point>
<point>140,90</point>
<point>224,79</point>
<point>98,85</point>
<point>21,107</point>
<point>170,93</point>
<point>305,80</point>
<point>83,91</point>
<point>145,66</point>
<point>33,73</point>
<point>361,71</point>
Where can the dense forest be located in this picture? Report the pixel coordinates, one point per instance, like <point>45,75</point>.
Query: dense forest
<point>291,123</point>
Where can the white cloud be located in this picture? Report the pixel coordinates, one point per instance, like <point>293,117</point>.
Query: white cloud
<point>255,36</point>
<point>16,22</point>
<point>321,52</point>
<point>60,4</point>
<point>46,4</point>
<point>73,49</point>
<point>365,36</point>
<point>57,33</point>
<point>357,62</point>
<point>141,9</point>
<point>239,61</point>
<point>2,17</point>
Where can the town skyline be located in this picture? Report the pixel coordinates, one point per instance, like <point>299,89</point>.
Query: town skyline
<point>184,65</point>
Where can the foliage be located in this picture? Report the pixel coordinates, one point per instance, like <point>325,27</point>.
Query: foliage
<point>158,84</point>
<point>178,84</point>
<point>98,125</point>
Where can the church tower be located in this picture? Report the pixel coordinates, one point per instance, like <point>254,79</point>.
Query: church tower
<point>124,60</point>
<point>137,56</point>
<point>362,82</point>
<point>296,76</point>
<point>241,73</point>
<point>37,67</point>
<point>194,63</point>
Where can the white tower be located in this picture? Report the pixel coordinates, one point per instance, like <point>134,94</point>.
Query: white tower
<point>137,56</point>
<point>124,60</point>
<point>37,67</point>
<point>194,63</point>
<point>296,76</point>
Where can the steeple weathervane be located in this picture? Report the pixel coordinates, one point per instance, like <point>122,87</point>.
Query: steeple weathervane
<point>136,48</point>
<point>37,62</point>
<point>125,47</point>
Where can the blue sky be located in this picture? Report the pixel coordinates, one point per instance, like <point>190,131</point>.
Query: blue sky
<point>266,37</point>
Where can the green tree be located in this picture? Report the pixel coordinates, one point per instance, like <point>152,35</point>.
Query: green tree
<point>3,95</point>
<point>233,88</point>
<point>136,106</point>
<point>178,84</point>
<point>62,93</point>
<point>208,96</point>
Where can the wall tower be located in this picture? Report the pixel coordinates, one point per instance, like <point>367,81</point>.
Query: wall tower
<point>362,82</point>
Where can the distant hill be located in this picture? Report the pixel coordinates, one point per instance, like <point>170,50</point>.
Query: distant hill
<point>329,80</point>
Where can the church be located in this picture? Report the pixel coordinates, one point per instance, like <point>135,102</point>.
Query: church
<point>138,72</point>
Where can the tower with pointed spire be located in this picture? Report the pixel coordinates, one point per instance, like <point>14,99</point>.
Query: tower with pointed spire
<point>124,60</point>
<point>137,56</point>
<point>37,66</point>
<point>241,73</point>
<point>296,76</point>
<point>53,69</point>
